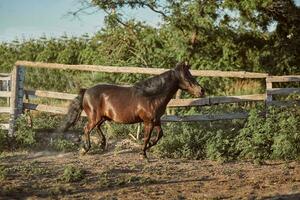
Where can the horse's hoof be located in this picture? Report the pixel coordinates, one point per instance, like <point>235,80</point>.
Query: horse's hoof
<point>82,151</point>
<point>103,146</point>
<point>143,156</point>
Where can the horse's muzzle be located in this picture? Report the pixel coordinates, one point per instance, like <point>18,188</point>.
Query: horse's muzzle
<point>200,93</point>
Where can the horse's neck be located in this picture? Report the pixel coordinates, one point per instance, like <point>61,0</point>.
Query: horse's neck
<point>158,86</point>
<point>168,91</point>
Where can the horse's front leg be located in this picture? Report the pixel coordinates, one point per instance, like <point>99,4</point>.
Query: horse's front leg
<point>159,135</point>
<point>148,127</point>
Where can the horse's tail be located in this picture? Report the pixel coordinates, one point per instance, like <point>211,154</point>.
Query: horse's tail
<point>74,112</point>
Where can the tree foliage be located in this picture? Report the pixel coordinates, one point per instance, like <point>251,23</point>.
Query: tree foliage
<point>260,36</point>
<point>224,34</point>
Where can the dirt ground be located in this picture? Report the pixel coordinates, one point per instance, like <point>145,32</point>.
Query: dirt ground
<point>119,173</point>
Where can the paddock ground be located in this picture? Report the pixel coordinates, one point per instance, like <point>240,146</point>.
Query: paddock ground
<point>119,173</point>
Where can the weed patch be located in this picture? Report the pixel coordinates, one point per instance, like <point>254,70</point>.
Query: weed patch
<point>111,179</point>
<point>63,145</point>
<point>4,140</point>
<point>3,172</point>
<point>25,136</point>
<point>72,174</point>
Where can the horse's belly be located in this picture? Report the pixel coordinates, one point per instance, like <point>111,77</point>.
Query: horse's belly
<point>126,119</point>
<point>123,115</point>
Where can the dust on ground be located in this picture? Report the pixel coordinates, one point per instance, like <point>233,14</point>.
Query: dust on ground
<point>119,173</point>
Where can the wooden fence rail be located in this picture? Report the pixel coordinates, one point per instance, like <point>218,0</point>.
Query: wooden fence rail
<point>291,78</point>
<point>17,93</point>
<point>139,70</point>
<point>5,94</point>
<point>208,101</point>
<point>4,109</point>
<point>197,118</point>
<point>4,78</point>
<point>4,126</point>
<point>165,118</point>
<point>173,103</point>
<point>284,91</point>
<point>49,94</point>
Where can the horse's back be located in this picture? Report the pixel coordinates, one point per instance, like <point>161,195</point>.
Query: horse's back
<point>117,103</point>
<point>107,92</point>
<point>106,88</point>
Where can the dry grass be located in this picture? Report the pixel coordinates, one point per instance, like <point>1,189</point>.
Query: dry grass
<point>243,87</point>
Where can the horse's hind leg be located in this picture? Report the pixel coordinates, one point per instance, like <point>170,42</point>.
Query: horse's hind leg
<point>101,134</point>
<point>87,144</point>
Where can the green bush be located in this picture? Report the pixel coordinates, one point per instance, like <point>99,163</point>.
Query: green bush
<point>277,136</point>
<point>254,141</point>
<point>198,141</point>
<point>286,144</point>
<point>185,140</point>
<point>260,137</point>
<point>221,145</point>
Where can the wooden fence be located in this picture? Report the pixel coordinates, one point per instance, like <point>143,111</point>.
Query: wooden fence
<point>17,105</point>
<point>270,91</point>
<point>5,93</point>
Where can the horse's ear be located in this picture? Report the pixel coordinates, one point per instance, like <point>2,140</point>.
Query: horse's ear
<point>187,65</point>
<point>179,66</point>
<point>182,65</point>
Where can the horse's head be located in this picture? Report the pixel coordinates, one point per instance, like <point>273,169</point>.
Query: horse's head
<point>187,81</point>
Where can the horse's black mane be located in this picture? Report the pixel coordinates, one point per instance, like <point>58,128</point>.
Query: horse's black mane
<point>155,85</point>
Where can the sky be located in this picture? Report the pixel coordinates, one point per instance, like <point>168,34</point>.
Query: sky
<point>24,19</point>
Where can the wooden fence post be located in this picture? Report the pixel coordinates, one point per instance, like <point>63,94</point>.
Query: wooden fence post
<point>269,96</point>
<point>269,85</point>
<point>8,86</point>
<point>17,92</point>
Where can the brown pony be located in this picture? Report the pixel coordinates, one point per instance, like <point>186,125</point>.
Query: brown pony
<point>145,102</point>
